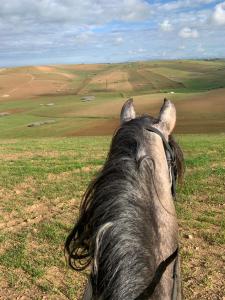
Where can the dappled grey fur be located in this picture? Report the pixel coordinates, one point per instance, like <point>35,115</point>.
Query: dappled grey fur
<point>122,195</point>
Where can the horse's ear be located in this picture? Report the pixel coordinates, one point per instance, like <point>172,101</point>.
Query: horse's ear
<point>127,111</point>
<point>167,117</point>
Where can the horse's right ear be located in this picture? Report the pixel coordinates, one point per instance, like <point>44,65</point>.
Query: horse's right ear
<point>127,111</point>
<point>167,117</point>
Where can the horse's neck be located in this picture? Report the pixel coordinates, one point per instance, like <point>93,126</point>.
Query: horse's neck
<point>161,174</point>
<point>165,218</point>
<point>165,215</point>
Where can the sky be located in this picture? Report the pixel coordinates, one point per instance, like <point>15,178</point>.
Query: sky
<point>35,32</point>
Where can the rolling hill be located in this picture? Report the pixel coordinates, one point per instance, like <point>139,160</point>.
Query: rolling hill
<point>70,100</point>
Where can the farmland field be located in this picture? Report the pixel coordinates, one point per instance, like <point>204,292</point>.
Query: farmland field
<point>42,182</point>
<point>56,124</point>
<point>86,99</point>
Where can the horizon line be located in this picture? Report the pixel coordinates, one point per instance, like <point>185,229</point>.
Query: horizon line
<point>111,63</point>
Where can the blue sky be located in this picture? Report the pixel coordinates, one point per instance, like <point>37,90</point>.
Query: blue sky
<point>88,31</point>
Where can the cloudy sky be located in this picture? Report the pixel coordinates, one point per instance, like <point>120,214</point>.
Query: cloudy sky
<point>89,31</point>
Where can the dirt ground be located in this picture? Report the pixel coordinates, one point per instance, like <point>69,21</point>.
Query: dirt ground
<point>115,80</point>
<point>53,70</point>
<point>204,113</point>
<point>33,82</point>
<point>85,67</point>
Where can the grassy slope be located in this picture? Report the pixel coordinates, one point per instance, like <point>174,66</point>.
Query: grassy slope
<point>41,185</point>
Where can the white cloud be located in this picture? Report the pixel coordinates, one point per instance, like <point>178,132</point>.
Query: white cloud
<point>219,14</point>
<point>201,49</point>
<point>81,29</point>
<point>180,4</point>
<point>166,26</point>
<point>84,37</point>
<point>118,40</point>
<point>137,51</point>
<point>172,5</point>
<point>187,33</point>
<point>77,12</point>
<point>141,50</point>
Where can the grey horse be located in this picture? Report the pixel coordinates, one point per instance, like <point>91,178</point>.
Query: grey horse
<point>127,229</point>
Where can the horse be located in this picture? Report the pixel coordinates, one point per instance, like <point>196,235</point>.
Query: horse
<point>127,231</point>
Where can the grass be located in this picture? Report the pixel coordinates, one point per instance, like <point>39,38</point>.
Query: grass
<point>41,184</point>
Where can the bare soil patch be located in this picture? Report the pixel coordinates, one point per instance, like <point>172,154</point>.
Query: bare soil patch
<point>53,70</point>
<point>85,67</point>
<point>16,111</point>
<point>25,85</point>
<point>210,102</point>
<point>59,177</point>
<point>116,80</point>
<point>40,87</point>
<point>22,187</point>
<point>207,271</point>
<point>202,114</point>
<point>46,69</point>
<point>34,214</point>
<point>9,293</point>
<point>11,82</point>
<point>97,128</point>
<point>29,154</point>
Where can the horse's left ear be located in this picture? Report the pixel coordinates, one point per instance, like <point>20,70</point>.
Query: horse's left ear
<point>127,111</point>
<point>167,117</point>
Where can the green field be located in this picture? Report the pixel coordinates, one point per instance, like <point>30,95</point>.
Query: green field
<point>46,168</point>
<point>42,181</point>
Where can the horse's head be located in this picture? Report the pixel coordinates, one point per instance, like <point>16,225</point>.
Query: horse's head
<point>165,122</point>
<point>127,224</point>
<point>155,142</point>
